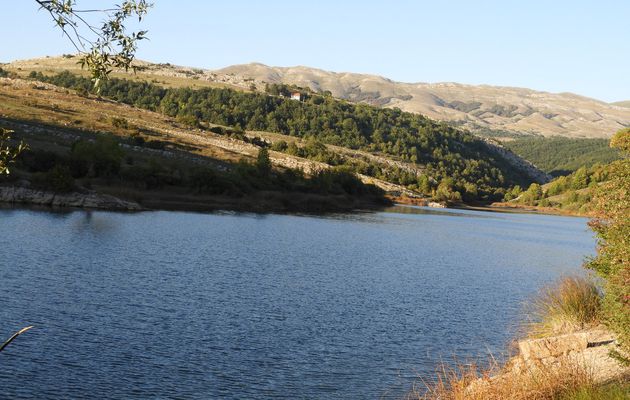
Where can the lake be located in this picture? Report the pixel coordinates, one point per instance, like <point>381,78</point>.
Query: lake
<point>244,306</point>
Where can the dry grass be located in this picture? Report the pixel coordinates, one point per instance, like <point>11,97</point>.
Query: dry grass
<point>572,304</point>
<point>612,391</point>
<point>162,76</point>
<point>471,382</point>
<point>63,108</point>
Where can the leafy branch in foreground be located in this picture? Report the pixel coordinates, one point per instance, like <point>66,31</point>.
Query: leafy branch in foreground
<point>15,335</point>
<point>101,48</point>
<point>8,153</point>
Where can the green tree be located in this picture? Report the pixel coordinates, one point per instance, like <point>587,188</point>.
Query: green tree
<point>100,158</point>
<point>513,193</point>
<point>580,179</point>
<point>532,194</point>
<point>263,163</point>
<point>612,225</point>
<point>446,191</point>
<point>424,185</point>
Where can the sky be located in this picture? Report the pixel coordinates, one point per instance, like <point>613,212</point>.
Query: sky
<point>579,46</point>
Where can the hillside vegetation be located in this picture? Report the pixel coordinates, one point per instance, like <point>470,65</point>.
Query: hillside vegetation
<point>81,143</point>
<point>572,193</point>
<point>456,164</point>
<point>561,156</point>
<point>612,225</point>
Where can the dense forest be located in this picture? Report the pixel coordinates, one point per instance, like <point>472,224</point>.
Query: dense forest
<point>456,163</point>
<point>561,156</point>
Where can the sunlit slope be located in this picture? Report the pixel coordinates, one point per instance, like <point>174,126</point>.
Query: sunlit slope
<point>485,109</point>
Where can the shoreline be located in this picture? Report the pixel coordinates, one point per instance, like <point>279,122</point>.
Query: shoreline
<point>126,200</point>
<point>111,198</point>
<point>509,207</point>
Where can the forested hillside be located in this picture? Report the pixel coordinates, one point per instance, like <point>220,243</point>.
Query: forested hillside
<point>455,163</point>
<point>80,146</point>
<point>572,193</point>
<point>561,156</point>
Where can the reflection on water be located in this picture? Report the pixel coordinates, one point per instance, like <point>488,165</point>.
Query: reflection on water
<point>406,209</point>
<point>188,305</point>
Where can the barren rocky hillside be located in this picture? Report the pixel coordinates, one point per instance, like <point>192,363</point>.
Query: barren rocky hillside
<point>484,107</point>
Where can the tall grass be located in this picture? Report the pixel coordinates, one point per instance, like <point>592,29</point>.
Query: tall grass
<point>570,305</point>
<point>611,391</point>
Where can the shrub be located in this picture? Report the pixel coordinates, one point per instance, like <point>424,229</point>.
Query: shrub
<point>263,163</point>
<point>136,139</point>
<point>217,130</point>
<point>188,120</point>
<point>120,123</point>
<point>102,157</point>
<point>572,304</point>
<point>208,181</point>
<point>59,179</point>
<point>7,74</point>
<point>83,92</point>
<point>280,145</point>
<point>39,160</point>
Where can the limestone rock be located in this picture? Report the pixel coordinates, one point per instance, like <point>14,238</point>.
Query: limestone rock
<point>25,195</point>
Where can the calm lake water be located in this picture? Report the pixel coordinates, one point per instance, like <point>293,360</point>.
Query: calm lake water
<point>241,306</point>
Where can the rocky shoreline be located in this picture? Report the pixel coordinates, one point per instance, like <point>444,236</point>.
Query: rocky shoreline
<point>89,199</point>
<point>588,351</point>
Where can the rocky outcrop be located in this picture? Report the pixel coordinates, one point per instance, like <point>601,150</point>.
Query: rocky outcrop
<point>589,349</point>
<point>586,353</point>
<point>24,195</point>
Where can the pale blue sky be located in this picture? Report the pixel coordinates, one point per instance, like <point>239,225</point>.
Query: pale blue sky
<point>554,45</point>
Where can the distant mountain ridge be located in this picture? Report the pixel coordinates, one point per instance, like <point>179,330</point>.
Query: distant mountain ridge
<point>492,109</point>
<point>484,109</point>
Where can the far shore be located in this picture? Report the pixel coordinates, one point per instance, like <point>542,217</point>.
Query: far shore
<point>502,207</point>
